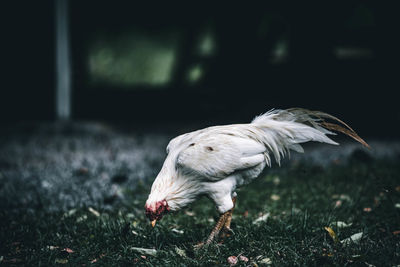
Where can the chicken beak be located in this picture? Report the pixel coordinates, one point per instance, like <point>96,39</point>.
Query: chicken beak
<point>153,223</point>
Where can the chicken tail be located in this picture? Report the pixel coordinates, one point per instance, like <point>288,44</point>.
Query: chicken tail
<point>284,130</point>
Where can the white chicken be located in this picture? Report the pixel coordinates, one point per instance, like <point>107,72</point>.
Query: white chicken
<point>215,161</point>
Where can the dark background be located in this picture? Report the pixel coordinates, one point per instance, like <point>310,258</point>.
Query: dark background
<point>341,58</point>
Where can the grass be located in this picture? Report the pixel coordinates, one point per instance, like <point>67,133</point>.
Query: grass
<point>301,200</point>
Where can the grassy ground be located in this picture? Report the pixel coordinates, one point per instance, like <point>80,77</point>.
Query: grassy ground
<point>302,200</point>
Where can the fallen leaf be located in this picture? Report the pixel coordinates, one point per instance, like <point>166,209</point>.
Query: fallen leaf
<point>180,252</point>
<point>367,209</point>
<point>340,224</point>
<point>243,258</point>
<point>189,213</point>
<point>327,254</point>
<point>275,197</point>
<point>352,239</point>
<point>267,261</point>
<point>100,256</point>
<point>396,232</point>
<point>147,251</point>
<point>81,219</point>
<point>232,260</point>
<point>94,212</point>
<point>143,257</point>
<point>263,218</point>
<point>68,250</point>
<point>177,231</point>
<point>332,234</point>
<point>338,203</point>
<point>134,232</point>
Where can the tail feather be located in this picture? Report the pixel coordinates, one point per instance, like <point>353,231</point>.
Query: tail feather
<point>286,129</point>
<point>347,130</point>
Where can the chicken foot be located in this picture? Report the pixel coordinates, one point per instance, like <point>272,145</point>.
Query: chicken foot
<point>224,222</point>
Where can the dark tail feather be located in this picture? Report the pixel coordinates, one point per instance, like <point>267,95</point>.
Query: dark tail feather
<point>345,129</point>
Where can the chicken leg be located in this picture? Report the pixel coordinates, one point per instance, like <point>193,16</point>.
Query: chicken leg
<point>223,222</point>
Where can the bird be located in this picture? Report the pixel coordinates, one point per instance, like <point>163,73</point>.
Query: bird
<point>217,160</point>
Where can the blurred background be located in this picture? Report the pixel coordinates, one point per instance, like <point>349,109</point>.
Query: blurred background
<point>202,63</point>
<point>94,90</point>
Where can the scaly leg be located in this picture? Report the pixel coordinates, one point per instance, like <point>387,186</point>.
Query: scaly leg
<point>223,222</point>
<point>227,225</point>
<point>217,228</point>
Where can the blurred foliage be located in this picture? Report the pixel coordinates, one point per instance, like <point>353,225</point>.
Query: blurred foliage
<point>133,58</point>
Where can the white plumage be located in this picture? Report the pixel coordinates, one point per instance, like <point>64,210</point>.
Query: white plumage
<point>215,161</point>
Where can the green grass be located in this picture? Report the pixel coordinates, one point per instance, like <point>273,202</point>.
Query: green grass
<point>310,198</point>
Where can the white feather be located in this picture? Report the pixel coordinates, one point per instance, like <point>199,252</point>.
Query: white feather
<point>216,160</point>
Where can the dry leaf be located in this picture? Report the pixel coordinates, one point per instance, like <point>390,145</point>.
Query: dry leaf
<point>352,239</point>
<point>232,260</point>
<point>263,218</point>
<point>134,232</point>
<point>243,258</point>
<point>275,197</point>
<point>68,250</point>
<point>82,218</point>
<point>338,203</point>
<point>367,209</point>
<point>100,256</point>
<point>180,252</point>
<point>396,232</point>
<point>267,261</point>
<point>332,234</point>
<point>177,231</point>
<point>147,251</point>
<point>189,213</point>
<point>94,212</point>
<point>340,224</point>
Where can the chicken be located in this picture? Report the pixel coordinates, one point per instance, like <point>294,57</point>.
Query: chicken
<point>215,161</point>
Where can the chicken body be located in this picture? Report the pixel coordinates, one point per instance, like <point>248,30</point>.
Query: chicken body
<point>215,161</point>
